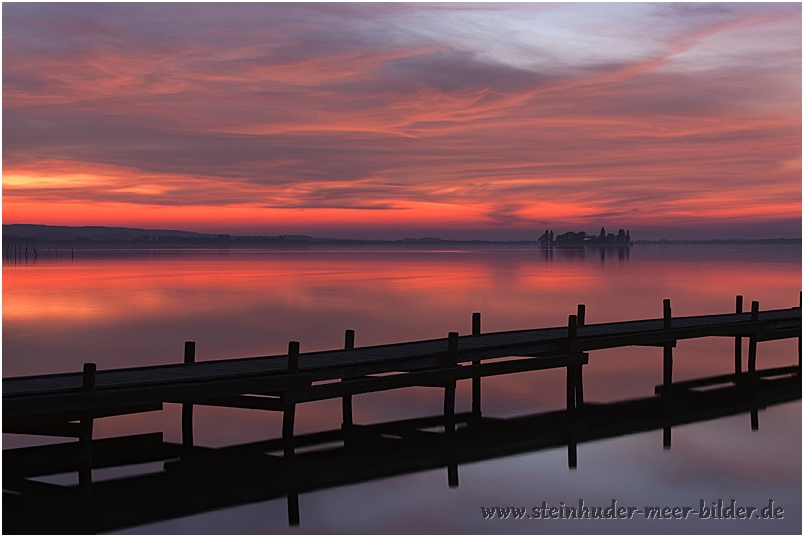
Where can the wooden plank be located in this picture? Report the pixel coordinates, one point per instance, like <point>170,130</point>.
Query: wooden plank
<point>432,377</point>
<point>242,401</point>
<point>62,458</point>
<point>42,427</point>
<point>724,379</point>
<point>187,391</point>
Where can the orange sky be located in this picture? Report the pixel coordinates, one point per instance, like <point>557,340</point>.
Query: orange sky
<point>385,121</point>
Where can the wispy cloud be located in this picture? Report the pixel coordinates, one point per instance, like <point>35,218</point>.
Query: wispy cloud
<point>381,119</point>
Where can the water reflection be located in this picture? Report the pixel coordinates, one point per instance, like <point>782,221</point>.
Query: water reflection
<point>39,496</point>
<point>134,310</point>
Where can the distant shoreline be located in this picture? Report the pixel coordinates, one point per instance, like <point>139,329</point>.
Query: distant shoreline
<point>100,237</point>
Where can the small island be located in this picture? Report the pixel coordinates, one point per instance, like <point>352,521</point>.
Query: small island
<point>571,238</point>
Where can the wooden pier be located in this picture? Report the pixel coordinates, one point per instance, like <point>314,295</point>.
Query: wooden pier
<point>66,405</point>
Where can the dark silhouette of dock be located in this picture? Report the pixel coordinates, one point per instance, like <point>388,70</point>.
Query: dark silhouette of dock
<point>66,405</point>
<point>194,480</point>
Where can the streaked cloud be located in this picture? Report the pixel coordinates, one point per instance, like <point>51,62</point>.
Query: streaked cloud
<point>488,120</point>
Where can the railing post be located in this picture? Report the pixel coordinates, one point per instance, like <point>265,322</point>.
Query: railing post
<point>667,316</point>
<point>581,314</point>
<point>187,408</point>
<point>476,380</point>
<point>349,339</point>
<point>572,330</point>
<point>476,323</point>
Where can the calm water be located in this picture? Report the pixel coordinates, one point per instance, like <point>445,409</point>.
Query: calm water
<point>138,309</point>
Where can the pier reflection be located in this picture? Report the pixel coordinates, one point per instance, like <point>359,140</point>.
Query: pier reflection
<point>182,479</point>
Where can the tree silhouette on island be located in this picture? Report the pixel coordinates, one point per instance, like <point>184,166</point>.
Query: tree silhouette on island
<point>571,238</point>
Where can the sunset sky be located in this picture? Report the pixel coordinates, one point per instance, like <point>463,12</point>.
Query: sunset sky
<point>490,121</point>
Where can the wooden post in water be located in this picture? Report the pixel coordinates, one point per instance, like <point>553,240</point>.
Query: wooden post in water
<point>476,380</point>
<point>449,412</point>
<point>85,455</point>
<point>572,333</point>
<point>572,387</point>
<point>752,359</point>
<point>187,408</point>
<point>288,418</point>
<point>289,411</point>
<point>346,401</point>
<point>579,368</point>
<point>738,344</point>
<point>85,431</point>
<point>752,341</point>
<point>667,376</point>
<point>579,386</point>
<point>572,453</point>
<point>668,347</point>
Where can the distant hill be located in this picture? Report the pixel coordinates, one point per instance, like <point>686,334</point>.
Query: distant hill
<point>95,233</point>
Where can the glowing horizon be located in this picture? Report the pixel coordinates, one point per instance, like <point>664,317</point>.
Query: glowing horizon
<point>490,121</point>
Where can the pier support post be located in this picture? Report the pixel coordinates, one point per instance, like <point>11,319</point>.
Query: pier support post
<point>572,377</point>
<point>667,372</point>
<point>85,455</point>
<point>476,380</point>
<point>579,387</point>
<point>572,453</point>
<point>738,344</point>
<point>187,408</point>
<point>289,411</point>
<point>449,413</point>
<point>578,370</point>
<point>572,331</point>
<point>346,401</point>
<point>288,419</point>
<point>85,431</point>
<point>752,341</point>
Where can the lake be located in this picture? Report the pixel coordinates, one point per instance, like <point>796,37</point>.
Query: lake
<point>124,309</point>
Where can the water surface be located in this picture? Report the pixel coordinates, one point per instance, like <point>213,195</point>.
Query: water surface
<point>138,309</point>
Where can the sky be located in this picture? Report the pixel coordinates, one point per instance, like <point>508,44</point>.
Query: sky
<point>457,120</point>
